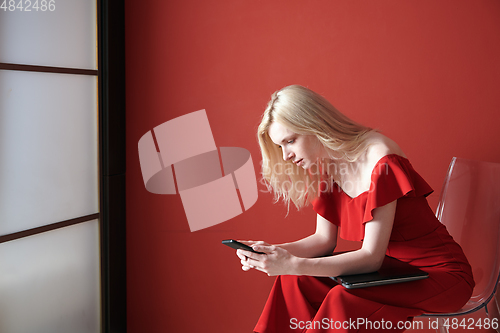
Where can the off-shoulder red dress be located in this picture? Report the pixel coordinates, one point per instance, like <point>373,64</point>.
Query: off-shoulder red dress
<point>315,304</point>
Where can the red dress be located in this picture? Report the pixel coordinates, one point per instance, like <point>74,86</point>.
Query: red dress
<point>315,304</point>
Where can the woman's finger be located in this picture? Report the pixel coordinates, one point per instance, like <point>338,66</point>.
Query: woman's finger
<point>250,254</point>
<point>240,255</point>
<point>264,248</point>
<point>245,264</point>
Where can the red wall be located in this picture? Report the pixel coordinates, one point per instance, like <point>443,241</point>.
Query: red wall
<point>426,73</point>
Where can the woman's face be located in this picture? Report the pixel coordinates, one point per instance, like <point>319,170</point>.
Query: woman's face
<point>303,150</point>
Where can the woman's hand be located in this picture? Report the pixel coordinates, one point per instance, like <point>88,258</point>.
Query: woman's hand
<point>274,261</point>
<point>244,260</point>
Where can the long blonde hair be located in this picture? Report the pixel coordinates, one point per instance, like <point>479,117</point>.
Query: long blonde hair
<point>307,113</point>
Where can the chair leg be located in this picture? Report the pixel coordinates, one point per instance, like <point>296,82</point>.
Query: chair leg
<point>493,310</point>
<point>441,327</point>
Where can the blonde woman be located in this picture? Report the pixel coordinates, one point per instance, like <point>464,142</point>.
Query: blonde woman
<point>363,188</point>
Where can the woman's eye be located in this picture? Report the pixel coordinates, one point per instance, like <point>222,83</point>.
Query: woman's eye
<point>288,142</point>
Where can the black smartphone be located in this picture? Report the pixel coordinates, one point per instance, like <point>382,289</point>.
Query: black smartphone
<point>237,245</point>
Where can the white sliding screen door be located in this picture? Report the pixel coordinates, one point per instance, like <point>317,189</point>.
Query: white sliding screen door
<point>49,167</point>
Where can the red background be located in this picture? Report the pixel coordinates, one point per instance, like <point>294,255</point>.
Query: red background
<point>426,73</point>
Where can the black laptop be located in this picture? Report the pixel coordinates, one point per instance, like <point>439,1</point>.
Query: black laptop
<point>392,271</point>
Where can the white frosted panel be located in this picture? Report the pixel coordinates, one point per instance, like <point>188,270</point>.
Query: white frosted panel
<point>48,148</point>
<point>49,283</point>
<point>64,37</point>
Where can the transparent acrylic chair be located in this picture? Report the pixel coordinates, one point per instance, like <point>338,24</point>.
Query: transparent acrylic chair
<point>469,207</point>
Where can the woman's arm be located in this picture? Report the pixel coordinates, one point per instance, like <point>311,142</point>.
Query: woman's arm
<point>278,261</point>
<point>321,243</point>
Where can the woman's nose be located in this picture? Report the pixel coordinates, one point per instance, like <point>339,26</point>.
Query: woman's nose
<point>287,154</point>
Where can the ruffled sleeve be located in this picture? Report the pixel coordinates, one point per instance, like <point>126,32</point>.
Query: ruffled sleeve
<point>393,178</point>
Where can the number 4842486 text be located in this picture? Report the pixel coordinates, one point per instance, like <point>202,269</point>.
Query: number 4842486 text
<point>28,5</point>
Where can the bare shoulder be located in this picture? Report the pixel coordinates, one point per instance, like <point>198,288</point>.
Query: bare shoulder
<point>379,146</point>
<point>360,180</point>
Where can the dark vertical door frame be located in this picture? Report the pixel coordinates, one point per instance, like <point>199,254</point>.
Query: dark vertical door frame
<point>111,17</point>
